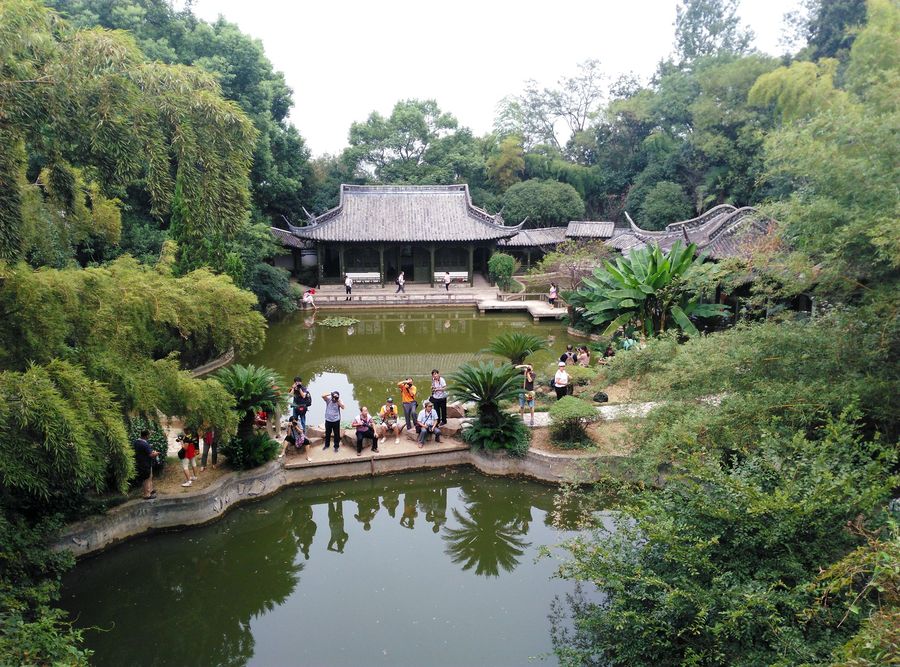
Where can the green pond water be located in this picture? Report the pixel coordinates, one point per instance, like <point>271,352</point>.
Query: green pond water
<point>365,361</point>
<point>436,568</point>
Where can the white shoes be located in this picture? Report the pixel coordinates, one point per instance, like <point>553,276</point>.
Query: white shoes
<point>397,440</point>
<point>187,483</point>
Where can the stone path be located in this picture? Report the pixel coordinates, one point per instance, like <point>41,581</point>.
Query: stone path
<point>607,412</point>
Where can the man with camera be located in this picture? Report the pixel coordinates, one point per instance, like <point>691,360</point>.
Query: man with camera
<point>408,398</point>
<point>427,422</point>
<point>333,407</point>
<point>144,455</point>
<point>302,399</point>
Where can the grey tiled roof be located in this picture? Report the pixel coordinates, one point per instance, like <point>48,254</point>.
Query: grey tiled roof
<point>721,232</point>
<point>287,239</point>
<point>589,229</point>
<point>405,213</point>
<point>528,238</point>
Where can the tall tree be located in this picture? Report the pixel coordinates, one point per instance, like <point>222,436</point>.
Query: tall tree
<point>417,143</point>
<point>708,27</point>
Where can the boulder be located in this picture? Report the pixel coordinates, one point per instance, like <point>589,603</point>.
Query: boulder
<point>452,427</point>
<point>317,431</point>
<point>455,411</point>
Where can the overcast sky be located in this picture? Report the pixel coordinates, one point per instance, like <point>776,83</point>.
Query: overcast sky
<point>346,59</point>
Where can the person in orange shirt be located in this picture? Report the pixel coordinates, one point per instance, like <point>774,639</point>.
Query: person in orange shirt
<point>408,398</point>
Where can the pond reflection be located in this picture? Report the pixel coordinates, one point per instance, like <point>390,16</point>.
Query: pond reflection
<point>435,554</point>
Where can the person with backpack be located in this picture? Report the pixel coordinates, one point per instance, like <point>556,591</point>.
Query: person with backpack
<point>302,400</point>
<point>568,357</point>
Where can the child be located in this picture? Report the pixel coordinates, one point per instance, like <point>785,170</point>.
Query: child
<point>188,463</point>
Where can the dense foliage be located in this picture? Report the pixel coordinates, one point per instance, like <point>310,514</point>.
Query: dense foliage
<point>646,289</point>
<point>719,566</point>
<point>254,389</point>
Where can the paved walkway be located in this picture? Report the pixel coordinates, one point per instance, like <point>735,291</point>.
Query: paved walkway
<point>607,412</point>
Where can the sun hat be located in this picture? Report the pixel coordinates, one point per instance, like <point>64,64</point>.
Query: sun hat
<point>390,400</point>
<point>562,363</point>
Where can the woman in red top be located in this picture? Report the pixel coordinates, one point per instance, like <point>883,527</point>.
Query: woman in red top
<point>188,462</point>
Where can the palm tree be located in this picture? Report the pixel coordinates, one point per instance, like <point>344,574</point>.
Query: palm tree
<point>647,286</point>
<point>516,346</point>
<point>486,385</point>
<point>254,388</point>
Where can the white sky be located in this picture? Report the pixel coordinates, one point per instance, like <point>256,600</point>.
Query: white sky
<point>345,59</point>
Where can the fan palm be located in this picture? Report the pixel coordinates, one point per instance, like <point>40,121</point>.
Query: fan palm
<point>516,346</point>
<point>647,285</point>
<point>254,388</point>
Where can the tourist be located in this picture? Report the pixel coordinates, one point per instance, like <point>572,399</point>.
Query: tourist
<point>390,421</point>
<point>308,299</point>
<point>439,395</point>
<point>447,280</point>
<point>568,357</point>
<point>427,422</point>
<point>408,393</point>
<point>333,407</point>
<point>143,457</point>
<point>302,400</point>
<point>552,294</point>
<point>561,381</point>
<point>526,396</point>
<point>401,282</point>
<point>584,356</point>
<point>296,437</point>
<point>209,443</point>
<point>188,454</point>
<point>348,287</point>
<point>365,428</point>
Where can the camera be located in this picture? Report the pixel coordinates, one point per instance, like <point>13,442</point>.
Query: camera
<point>180,438</point>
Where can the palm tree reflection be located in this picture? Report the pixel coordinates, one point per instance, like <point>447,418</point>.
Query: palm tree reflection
<point>489,536</point>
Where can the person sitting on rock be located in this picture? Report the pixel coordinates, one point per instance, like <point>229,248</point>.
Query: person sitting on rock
<point>390,421</point>
<point>426,423</point>
<point>296,437</point>
<point>365,428</point>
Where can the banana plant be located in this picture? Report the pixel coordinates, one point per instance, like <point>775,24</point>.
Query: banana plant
<point>647,286</point>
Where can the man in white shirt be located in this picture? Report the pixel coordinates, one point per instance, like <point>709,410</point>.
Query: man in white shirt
<point>348,286</point>
<point>427,421</point>
<point>561,381</point>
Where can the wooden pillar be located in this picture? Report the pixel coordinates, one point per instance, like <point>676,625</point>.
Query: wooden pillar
<point>431,272</point>
<point>471,265</point>
<point>528,258</point>
<point>381,263</point>
<point>341,262</point>
<point>320,260</point>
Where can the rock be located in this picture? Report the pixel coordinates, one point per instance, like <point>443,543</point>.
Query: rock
<point>256,488</point>
<point>455,411</point>
<point>452,427</point>
<point>317,431</point>
<point>601,397</point>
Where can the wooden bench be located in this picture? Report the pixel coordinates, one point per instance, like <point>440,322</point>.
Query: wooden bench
<point>459,277</point>
<point>363,278</point>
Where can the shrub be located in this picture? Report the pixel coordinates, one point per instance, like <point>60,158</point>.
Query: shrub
<point>510,433</point>
<point>569,417</point>
<point>488,386</point>
<point>252,452</point>
<point>501,268</point>
<point>581,376</point>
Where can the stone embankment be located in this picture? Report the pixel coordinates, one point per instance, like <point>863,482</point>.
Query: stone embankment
<point>137,517</point>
